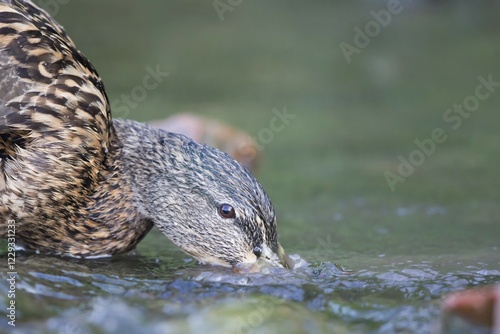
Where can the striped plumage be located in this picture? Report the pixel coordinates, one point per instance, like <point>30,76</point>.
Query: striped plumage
<point>78,183</point>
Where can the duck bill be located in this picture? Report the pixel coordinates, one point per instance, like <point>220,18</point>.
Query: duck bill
<point>285,260</point>
<point>279,252</point>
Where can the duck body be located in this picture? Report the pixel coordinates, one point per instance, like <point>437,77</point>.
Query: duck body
<point>78,183</point>
<point>56,135</point>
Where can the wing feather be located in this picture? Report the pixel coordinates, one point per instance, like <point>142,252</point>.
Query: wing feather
<point>55,122</point>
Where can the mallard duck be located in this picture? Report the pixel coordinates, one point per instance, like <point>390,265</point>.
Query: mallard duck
<point>78,183</point>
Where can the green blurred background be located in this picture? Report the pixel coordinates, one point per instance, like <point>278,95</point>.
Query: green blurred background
<point>353,119</point>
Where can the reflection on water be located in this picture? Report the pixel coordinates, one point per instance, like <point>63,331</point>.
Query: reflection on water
<point>110,295</point>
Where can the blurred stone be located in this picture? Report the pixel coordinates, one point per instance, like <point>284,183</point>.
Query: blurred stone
<point>479,307</point>
<point>234,142</point>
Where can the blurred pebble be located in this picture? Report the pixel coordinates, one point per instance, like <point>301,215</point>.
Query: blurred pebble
<point>234,142</point>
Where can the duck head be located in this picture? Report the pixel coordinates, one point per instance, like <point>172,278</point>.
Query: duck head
<point>203,200</point>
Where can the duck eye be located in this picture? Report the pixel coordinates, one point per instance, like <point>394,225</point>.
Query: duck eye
<point>257,251</point>
<point>227,211</point>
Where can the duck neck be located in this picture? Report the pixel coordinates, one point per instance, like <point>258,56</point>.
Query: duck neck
<point>139,161</point>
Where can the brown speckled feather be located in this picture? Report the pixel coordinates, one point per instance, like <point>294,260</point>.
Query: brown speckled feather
<point>53,99</point>
<point>55,135</point>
